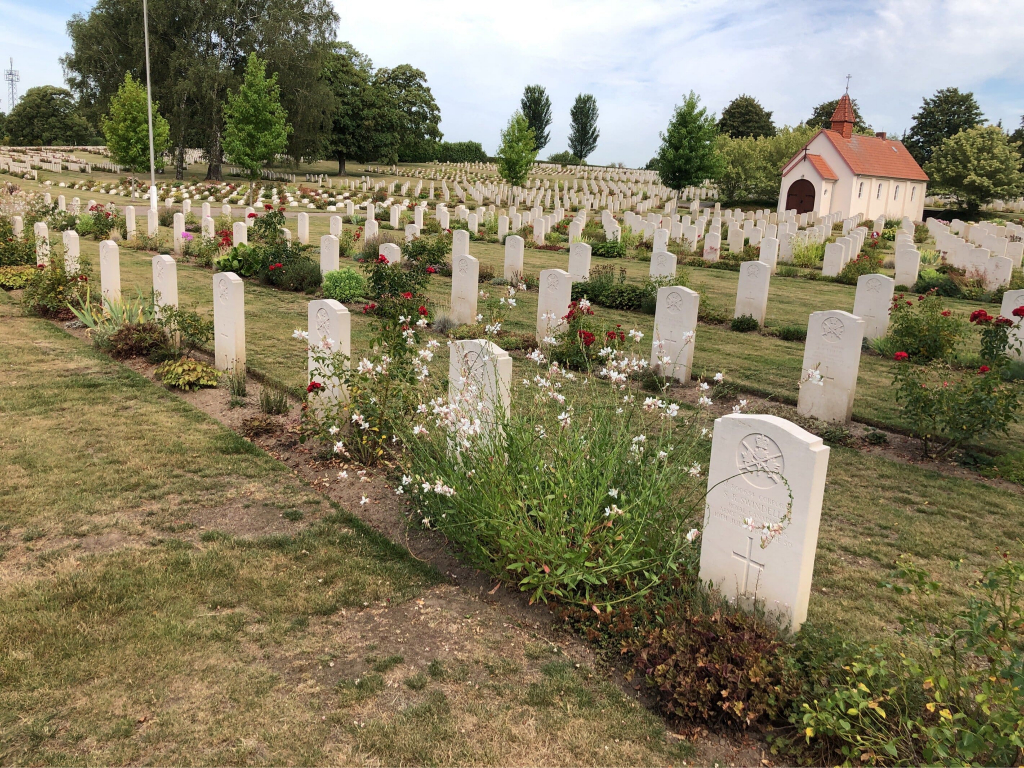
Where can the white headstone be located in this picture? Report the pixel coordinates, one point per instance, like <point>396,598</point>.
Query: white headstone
<point>1013,300</point>
<point>835,258</point>
<point>712,247</point>
<point>209,227</point>
<point>129,221</point>
<point>152,223</point>
<point>460,243</point>
<point>514,246</point>
<point>239,233</point>
<point>303,228</point>
<point>553,299</point>
<point>329,326</point>
<point>390,251</point>
<point>165,281</point>
<point>480,376</point>
<point>394,216</point>
<point>752,290</point>
<point>229,321</point>
<point>336,226</point>
<point>42,236</point>
<point>329,254</point>
<point>831,364</point>
<point>766,483</point>
<point>72,252</point>
<point>465,279</point>
<point>872,303</point>
<point>908,262</point>
<point>769,253</point>
<point>579,262</point>
<point>502,227</point>
<point>177,230</point>
<point>110,271</point>
<point>663,264</point>
<point>675,324</point>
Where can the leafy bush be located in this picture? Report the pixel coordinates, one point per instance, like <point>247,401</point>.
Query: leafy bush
<point>13,278</point>
<point>793,333</point>
<point>931,280</point>
<point>808,255</point>
<point>186,329</point>
<point>429,249</point>
<point>745,324</point>
<point>865,264</point>
<point>296,271</point>
<point>610,249</point>
<point>565,158</point>
<point>202,251</point>
<point>723,667</point>
<point>924,328</point>
<point>187,374</point>
<point>574,345</point>
<point>273,401</point>
<point>15,252</point>
<point>244,260</point>
<point>344,285</point>
<point>396,289</point>
<point>136,340</point>
<point>51,290</point>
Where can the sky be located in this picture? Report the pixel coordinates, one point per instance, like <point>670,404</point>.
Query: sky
<point>640,57</point>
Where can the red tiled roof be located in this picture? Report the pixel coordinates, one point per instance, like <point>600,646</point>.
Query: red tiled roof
<point>823,168</point>
<point>844,111</point>
<point>873,156</point>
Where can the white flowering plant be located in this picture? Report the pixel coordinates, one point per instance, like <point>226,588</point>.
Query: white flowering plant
<point>583,493</point>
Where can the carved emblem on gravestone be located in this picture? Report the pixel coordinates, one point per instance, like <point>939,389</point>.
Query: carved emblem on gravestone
<point>323,323</point>
<point>552,282</point>
<point>160,271</point>
<point>753,269</point>
<point>662,260</point>
<point>832,329</point>
<point>674,301</point>
<point>222,290</point>
<point>760,460</point>
<point>470,360</point>
<point>874,285</point>
<point>463,266</point>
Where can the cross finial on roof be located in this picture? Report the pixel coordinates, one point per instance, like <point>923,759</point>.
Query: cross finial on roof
<point>848,83</point>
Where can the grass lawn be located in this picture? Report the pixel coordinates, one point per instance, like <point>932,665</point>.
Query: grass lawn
<point>171,594</point>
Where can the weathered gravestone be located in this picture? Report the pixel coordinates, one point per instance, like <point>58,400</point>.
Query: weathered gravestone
<point>514,246</point>
<point>229,321</point>
<point>554,296</point>
<point>42,235</point>
<point>329,254</point>
<point>675,324</point>
<point>480,381</point>
<point>579,262</point>
<point>830,366</point>
<point>465,279</point>
<point>329,328</point>
<point>752,290</point>
<point>872,303</point>
<point>165,282</point>
<point>663,264</point>
<point>766,482</point>
<point>110,271</point>
<point>72,252</point>
<point>908,262</point>
<point>239,233</point>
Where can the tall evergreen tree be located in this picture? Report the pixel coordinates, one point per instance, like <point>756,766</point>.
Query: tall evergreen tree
<point>583,133</point>
<point>746,117</point>
<point>126,128</point>
<point>942,116</point>
<point>536,108</point>
<point>255,124</point>
<point>688,153</point>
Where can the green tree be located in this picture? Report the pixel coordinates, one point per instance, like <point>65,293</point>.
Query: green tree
<point>822,117</point>
<point>256,126</point>
<point>126,128</point>
<point>976,166</point>
<point>1016,138</point>
<point>583,133</point>
<point>753,166</point>
<point>47,115</point>
<point>198,52</point>
<point>746,117</point>
<point>347,73</point>
<point>408,119</point>
<point>689,154</point>
<point>536,108</point>
<point>3,128</point>
<point>518,150</point>
<point>942,116</point>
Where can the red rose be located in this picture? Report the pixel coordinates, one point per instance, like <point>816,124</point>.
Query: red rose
<point>1018,312</point>
<point>980,316</point>
<point>407,295</point>
<point>268,207</point>
<point>423,311</point>
<point>431,271</point>
<point>1005,321</point>
<point>945,313</point>
<point>251,215</point>
<point>313,386</point>
<point>382,259</point>
<point>900,357</point>
<point>984,369</point>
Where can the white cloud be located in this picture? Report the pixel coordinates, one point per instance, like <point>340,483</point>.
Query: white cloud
<point>639,57</point>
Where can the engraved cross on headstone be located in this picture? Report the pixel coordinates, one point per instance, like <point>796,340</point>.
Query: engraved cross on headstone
<point>748,561</point>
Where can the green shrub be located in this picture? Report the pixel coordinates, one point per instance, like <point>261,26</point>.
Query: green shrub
<point>344,285</point>
<point>924,328</point>
<point>187,374</point>
<point>793,333</point>
<point>610,249</point>
<point>745,324</point>
<point>243,259</point>
<point>136,340</point>
<point>51,291</point>
<point>808,255</point>
<point>273,401</point>
<point>931,280</point>
<point>186,329</point>
<point>201,251</point>
<point>430,249</point>
<point>13,278</point>
<point>719,667</point>
<point>296,272</point>
<point>865,264</point>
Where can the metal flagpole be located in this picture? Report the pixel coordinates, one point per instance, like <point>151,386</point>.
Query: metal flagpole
<point>149,107</point>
